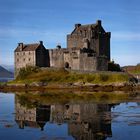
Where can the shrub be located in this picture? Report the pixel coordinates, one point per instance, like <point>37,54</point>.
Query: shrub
<point>24,72</point>
<point>113,66</point>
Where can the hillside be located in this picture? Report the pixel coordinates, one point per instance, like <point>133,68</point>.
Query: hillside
<point>132,69</point>
<point>5,73</point>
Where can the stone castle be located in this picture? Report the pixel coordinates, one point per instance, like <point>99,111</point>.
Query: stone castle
<point>88,49</point>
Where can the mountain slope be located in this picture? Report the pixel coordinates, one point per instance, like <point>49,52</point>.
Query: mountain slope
<point>8,67</point>
<point>5,73</point>
<point>132,69</point>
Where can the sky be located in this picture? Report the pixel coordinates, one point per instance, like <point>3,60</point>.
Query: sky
<point>30,21</point>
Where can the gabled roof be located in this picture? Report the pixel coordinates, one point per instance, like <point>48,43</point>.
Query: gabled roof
<point>79,27</point>
<point>27,47</point>
<point>84,27</point>
<point>88,25</point>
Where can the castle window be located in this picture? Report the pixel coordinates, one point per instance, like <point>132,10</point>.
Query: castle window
<point>85,33</point>
<point>24,59</point>
<point>80,32</point>
<point>17,60</point>
<point>74,44</point>
<point>74,55</point>
<point>29,59</point>
<point>17,54</point>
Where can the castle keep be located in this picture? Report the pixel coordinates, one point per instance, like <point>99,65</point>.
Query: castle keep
<point>88,49</point>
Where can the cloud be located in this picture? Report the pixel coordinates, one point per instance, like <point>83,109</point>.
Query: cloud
<point>126,36</point>
<point>9,37</point>
<point>26,34</point>
<point>126,59</point>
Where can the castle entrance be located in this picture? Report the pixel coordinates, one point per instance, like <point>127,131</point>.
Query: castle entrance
<point>66,65</point>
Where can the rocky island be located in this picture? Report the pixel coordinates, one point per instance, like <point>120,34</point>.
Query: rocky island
<point>84,65</point>
<point>34,78</point>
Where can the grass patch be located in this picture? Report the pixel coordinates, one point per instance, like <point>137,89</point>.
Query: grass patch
<point>30,75</point>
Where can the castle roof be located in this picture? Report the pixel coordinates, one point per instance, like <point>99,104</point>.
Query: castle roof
<point>28,47</point>
<point>79,27</point>
<point>88,25</point>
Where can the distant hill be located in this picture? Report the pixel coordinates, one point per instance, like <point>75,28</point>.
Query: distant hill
<point>132,69</point>
<point>8,67</point>
<point>5,73</point>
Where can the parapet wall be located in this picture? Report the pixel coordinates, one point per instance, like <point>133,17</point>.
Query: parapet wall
<point>76,59</point>
<point>56,58</point>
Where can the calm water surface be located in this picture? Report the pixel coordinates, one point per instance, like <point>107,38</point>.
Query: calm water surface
<point>22,119</point>
<point>4,79</point>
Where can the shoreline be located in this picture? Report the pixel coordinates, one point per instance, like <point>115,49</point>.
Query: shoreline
<point>70,86</point>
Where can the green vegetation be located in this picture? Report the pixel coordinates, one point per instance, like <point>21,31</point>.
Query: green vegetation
<point>32,74</point>
<point>24,72</point>
<point>112,66</point>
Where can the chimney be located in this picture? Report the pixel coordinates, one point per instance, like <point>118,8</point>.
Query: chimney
<point>58,46</point>
<point>41,42</point>
<point>21,46</point>
<point>99,22</point>
<point>77,25</point>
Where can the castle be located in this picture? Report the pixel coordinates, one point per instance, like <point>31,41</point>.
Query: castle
<point>88,49</point>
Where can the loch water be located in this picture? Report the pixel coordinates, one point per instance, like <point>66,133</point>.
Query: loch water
<point>4,79</point>
<point>23,118</point>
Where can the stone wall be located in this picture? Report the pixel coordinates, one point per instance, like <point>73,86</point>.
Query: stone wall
<point>102,63</point>
<point>23,59</point>
<point>73,58</point>
<point>77,59</point>
<point>87,62</point>
<point>75,41</point>
<point>56,58</point>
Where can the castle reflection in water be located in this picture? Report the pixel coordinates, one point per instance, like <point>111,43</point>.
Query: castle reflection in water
<point>86,121</point>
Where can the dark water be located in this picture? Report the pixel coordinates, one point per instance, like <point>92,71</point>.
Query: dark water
<point>29,119</point>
